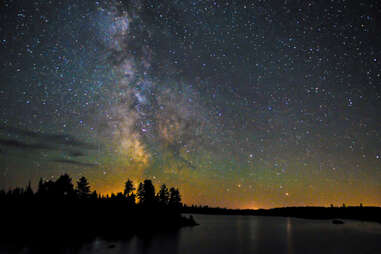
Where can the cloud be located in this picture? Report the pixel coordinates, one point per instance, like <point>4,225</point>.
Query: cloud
<point>76,153</point>
<point>22,145</point>
<point>72,162</point>
<point>61,139</point>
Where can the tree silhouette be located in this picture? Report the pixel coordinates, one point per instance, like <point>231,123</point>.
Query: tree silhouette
<point>94,195</point>
<point>63,188</point>
<point>146,193</point>
<point>29,192</point>
<point>46,189</point>
<point>128,192</point>
<point>163,195</point>
<point>128,188</point>
<point>83,188</point>
<point>174,198</point>
<point>41,191</point>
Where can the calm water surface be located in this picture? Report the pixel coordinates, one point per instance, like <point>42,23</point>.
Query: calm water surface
<point>245,234</point>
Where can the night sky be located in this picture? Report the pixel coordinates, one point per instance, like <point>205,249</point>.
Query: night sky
<point>263,104</point>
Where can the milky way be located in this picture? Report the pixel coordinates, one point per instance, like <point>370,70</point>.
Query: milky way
<point>260,104</point>
<point>150,116</point>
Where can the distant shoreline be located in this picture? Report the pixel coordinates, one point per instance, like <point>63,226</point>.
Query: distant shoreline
<point>367,213</point>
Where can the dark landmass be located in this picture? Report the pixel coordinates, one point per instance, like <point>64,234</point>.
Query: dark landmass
<point>58,212</point>
<point>362,213</point>
<point>109,219</point>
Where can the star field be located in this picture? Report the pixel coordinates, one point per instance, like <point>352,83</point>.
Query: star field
<point>244,105</point>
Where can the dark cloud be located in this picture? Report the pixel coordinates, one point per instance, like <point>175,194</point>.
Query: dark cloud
<point>22,145</point>
<point>72,162</point>
<point>76,153</point>
<point>62,139</point>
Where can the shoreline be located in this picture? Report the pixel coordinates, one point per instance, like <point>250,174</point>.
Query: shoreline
<point>369,214</point>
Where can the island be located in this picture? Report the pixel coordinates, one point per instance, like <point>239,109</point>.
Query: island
<point>60,211</point>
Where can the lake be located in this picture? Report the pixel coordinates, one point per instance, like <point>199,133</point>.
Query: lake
<point>242,234</point>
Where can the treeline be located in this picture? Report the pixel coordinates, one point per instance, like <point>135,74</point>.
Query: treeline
<point>63,209</point>
<point>362,213</point>
<point>63,189</point>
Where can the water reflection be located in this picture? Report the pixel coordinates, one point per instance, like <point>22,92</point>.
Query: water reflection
<point>289,236</point>
<point>233,234</point>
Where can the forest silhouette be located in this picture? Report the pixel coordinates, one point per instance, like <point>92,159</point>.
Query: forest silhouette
<point>60,210</point>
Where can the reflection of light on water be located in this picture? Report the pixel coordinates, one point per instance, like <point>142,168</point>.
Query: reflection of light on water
<point>289,236</point>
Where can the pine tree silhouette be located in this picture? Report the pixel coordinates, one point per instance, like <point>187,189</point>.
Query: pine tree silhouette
<point>163,195</point>
<point>83,188</point>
